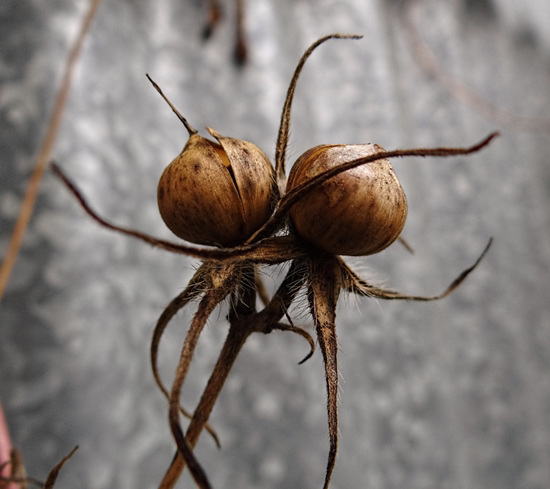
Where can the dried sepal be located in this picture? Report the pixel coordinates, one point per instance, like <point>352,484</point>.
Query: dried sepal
<point>207,304</point>
<point>323,293</point>
<point>198,284</point>
<point>223,281</point>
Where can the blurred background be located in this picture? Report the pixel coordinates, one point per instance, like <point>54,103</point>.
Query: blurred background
<point>448,395</point>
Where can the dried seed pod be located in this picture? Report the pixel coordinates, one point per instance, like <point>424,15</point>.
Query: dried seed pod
<point>357,212</point>
<point>216,193</point>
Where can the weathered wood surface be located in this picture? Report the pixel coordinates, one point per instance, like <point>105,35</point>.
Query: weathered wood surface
<point>454,394</point>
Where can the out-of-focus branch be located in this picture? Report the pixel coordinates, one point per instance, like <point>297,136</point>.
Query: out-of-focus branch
<point>459,90</point>
<point>45,150</point>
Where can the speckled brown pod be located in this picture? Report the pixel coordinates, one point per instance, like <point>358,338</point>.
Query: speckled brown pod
<point>357,212</point>
<point>216,193</point>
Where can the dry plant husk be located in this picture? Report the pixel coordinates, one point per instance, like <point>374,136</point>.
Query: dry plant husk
<point>233,274</point>
<point>216,194</point>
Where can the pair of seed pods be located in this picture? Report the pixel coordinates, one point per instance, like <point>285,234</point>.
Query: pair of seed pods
<point>220,193</point>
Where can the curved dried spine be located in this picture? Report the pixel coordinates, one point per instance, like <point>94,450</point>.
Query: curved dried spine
<point>284,128</point>
<point>290,198</point>
<point>355,284</point>
<point>265,251</point>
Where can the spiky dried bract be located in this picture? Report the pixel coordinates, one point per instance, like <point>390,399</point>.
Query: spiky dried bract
<point>323,292</point>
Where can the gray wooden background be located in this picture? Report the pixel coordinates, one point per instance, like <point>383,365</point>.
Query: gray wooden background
<point>446,395</point>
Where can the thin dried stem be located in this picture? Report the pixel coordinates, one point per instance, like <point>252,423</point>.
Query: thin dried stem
<point>243,322</point>
<point>355,284</point>
<point>198,284</point>
<point>284,128</point>
<point>267,251</point>
<point>239,331</point>
<point>223,281</point>
<point>288,200</point>
<point>45,150</point>
<point>188,126</point>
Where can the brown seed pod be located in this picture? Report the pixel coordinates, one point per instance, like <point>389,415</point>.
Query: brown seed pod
<point>357,212</point>
<point>216,193</point>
